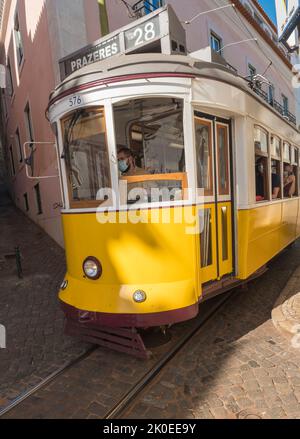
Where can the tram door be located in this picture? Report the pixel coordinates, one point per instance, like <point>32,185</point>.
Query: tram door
<point>213,155</point>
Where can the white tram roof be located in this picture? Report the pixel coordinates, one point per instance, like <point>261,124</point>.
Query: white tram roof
<point>128,66</point>
<point>137,64</point>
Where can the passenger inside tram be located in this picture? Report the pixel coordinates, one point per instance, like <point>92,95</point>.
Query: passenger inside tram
<point>151,153</point>
<point>275,179</point>
<point>289,181</point>
<point>260,168</point>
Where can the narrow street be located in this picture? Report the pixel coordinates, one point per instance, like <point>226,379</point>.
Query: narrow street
<point>29,308</point>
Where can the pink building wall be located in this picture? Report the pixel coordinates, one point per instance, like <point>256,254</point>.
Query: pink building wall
<point>32,82</point>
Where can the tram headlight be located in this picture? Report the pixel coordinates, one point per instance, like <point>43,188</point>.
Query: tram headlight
<point>92,268</point>
<point>139,296</point>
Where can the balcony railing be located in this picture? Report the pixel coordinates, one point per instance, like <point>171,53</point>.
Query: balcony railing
<point>144,7</point>
<point>276,105</point>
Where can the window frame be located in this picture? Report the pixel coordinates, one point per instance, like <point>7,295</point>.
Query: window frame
<point>19,145</point>
<point>251,67</point>
<point>285,104</point>
<point>17,32</point>
<point>284,160</point>
<point>197,119</point>
<point>259,151</point>
<point>86,203</point>
<point>296,171</point>
<point>267,173</point>
<point>29,122</point>
<point>10,76</point>
<point>26,200</point>
<point>38,198</point>
<point>214,36</point>
<point>226,191</point>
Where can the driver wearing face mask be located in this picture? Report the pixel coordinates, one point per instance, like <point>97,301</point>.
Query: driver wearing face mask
<point>126,163</point>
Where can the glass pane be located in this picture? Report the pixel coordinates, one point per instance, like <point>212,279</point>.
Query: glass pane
<point>276,179</point>
<point>204,155</point>
<point>261,178</point>
<point>260,139</point>
<point>286,152</point>
<point>86,154</point>
<point>151,154</point>
<point>223,176</point>
<point>275,147</point>
<point>206,238</point>
<point>294,156</point>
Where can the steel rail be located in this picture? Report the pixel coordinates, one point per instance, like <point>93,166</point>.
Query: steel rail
<point>135,391</point>
<point>46,381</point>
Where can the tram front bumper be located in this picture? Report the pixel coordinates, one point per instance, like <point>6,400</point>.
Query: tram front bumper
<point>90,303</point>
<point>90,318</point>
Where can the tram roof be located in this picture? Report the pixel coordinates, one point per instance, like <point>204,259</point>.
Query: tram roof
<point>138,64</point>
<point>126,67</point>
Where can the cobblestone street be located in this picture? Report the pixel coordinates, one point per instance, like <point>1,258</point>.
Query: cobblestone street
<point>238,366</point>
<point>29,308</point>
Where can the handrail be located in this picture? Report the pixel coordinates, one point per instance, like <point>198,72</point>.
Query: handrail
<point>177,176</point>
<point>275,104</point>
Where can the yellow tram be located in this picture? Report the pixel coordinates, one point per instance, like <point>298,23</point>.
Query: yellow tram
<point>196,132</point>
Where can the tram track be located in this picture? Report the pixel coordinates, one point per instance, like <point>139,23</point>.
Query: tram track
<point>119,408</point>
<point>147,379</point>
<point>46,381</point>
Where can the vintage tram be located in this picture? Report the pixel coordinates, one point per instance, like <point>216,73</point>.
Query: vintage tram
<point>188,221</point>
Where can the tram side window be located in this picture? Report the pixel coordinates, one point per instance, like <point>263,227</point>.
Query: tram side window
<point>150,149</point>
<point>294,163</point>
<point>203,130</point>
<point>261,164</point>
<point>86,155</point>
<point>276,167</point>
<point>289,178</point>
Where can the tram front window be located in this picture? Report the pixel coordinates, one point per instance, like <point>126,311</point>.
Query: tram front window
<point>86,155</point>
<point>150,147</point>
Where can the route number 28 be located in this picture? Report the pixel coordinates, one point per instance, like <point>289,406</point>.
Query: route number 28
<point>144,34</point>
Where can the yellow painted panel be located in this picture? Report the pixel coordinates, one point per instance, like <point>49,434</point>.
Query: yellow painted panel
<point>263,232</point>
<point>225,261</point>
<point>157,255</point>
<point>210,272</point>
<point>289,222</point>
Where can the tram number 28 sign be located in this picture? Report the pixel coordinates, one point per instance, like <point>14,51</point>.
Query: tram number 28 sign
<point>142,34</point>
<point>130,40</point>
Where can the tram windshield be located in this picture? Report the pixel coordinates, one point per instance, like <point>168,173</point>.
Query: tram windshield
<point>150,150</point>
<point>85,152</point>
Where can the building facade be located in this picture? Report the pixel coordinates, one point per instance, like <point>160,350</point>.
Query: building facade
<point>35,34</point>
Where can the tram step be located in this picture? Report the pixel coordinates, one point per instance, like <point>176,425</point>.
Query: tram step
<point>125,340</point>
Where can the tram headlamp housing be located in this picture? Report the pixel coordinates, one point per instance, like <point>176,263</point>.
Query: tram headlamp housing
<point>139,296</point>
<point>92,268</point>
<point>64,285</point>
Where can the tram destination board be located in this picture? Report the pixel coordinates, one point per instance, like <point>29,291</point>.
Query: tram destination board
<point>149,33</point>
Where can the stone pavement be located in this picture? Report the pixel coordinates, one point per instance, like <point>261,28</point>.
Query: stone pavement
<point>29,308</point>
<point>239,366</point>
<point>286,313</point>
